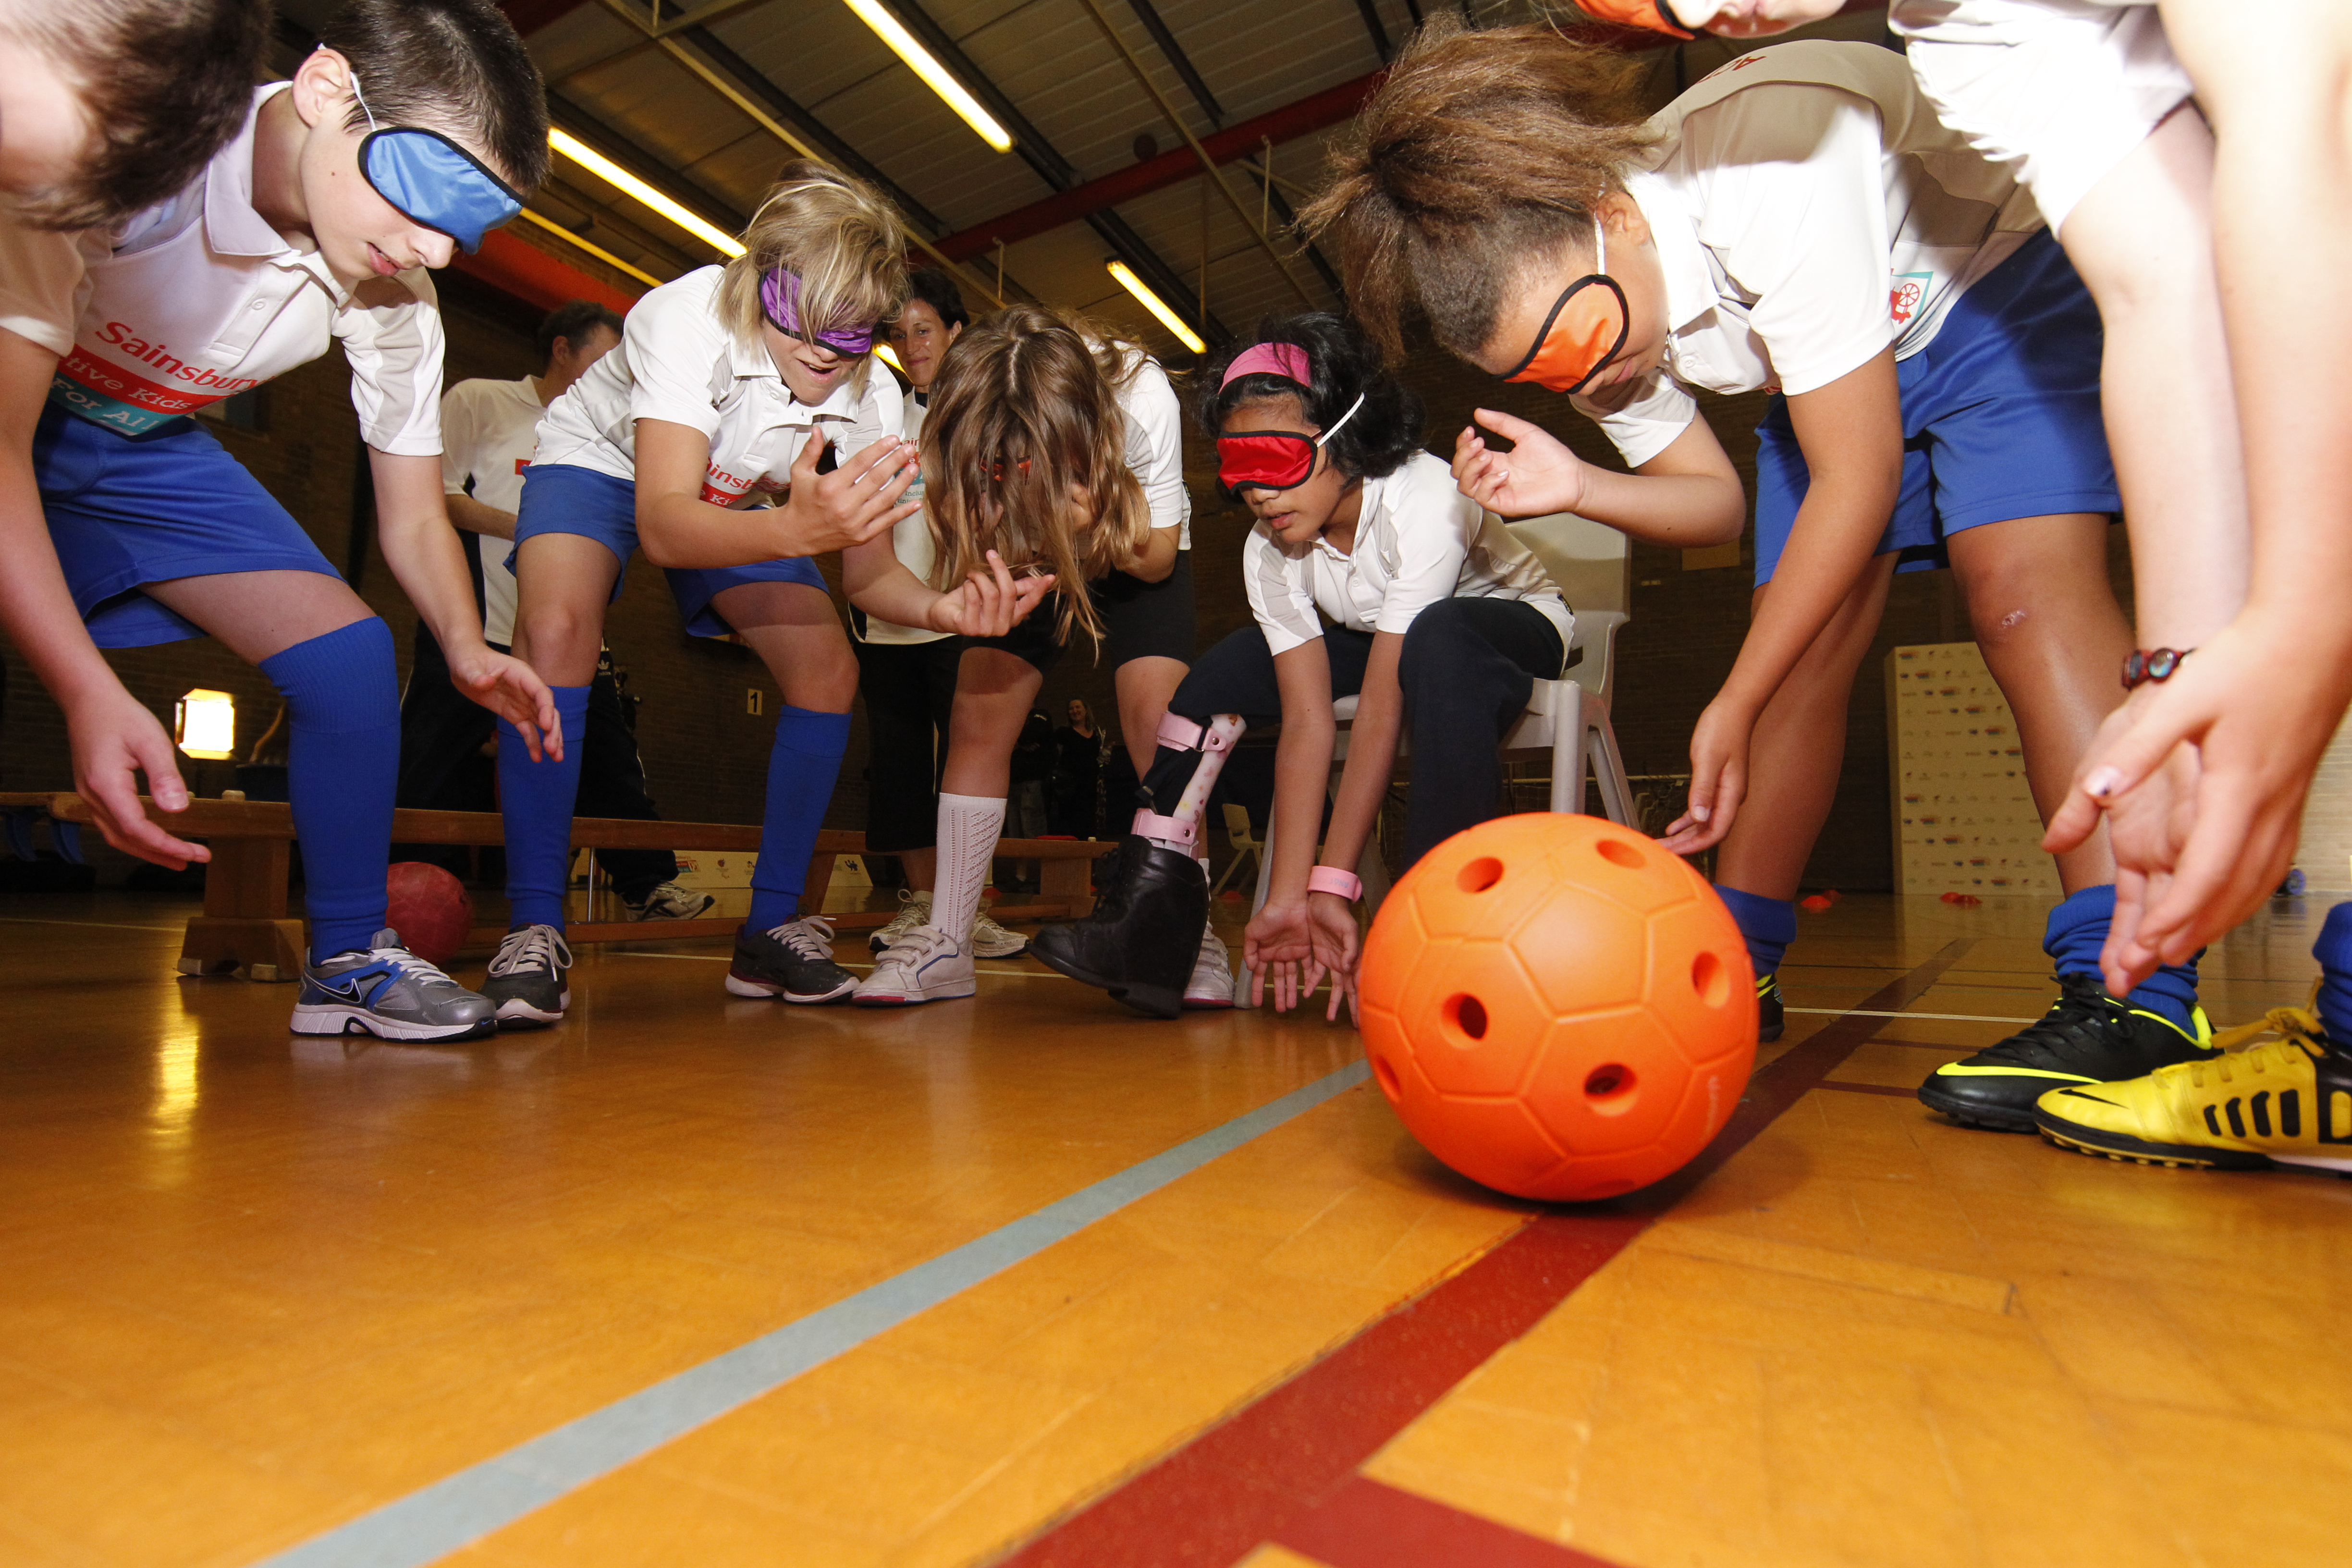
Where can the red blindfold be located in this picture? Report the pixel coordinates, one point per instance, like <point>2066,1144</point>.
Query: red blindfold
<point>1272,459</point>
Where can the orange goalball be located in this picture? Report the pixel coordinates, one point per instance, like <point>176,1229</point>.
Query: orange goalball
<point>1557,1007</point>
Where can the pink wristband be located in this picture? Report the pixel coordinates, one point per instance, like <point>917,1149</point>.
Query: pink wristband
<point>1331,879</point>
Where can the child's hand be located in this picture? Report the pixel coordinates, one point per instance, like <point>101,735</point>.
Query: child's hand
<point>513,690</point>
<point>1332,936</point>
<point>115,739</point>
<point>1541,476</point>
<point>1279,941</point>
<point>858,502</point>
<point>989,604</point>
<point>2199,845</point>
<point>1718,779</point>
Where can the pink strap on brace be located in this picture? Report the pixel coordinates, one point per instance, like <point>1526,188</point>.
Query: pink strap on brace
<point>1186,736</point>
<point>1151,825</point>
<point>1287,361</point>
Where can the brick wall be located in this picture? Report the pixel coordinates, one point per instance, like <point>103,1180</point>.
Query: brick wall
<point>706,757</point>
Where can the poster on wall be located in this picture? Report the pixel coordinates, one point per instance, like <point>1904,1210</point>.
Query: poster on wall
<point>1963,813</point>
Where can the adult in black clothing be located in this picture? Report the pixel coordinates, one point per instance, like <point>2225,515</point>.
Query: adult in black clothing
<point>1076,806</point>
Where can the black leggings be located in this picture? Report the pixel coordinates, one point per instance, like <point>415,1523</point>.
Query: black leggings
<point>909,691</point>
<point>1467,669</point>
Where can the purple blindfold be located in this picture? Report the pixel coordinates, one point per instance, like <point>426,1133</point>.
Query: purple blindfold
<point>780,294</point>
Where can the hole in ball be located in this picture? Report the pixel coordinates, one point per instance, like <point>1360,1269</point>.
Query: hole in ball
<point>1610,1081</point>
<point>1387,1075</point>
<point>1617,852</point>
<point>1468,1014</point>
<point>1479,875</point>
<point>1711,979</point>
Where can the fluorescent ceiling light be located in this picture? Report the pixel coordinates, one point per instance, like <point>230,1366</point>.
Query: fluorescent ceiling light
<point>598,251</point>
<point>1151,302</point>
<point>889,356</point>
<point>918,59</point>
<point>620,179</point>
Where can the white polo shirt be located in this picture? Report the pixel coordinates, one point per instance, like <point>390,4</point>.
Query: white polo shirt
<point>911,542</point>
<point>679,362</point>
<point>488,431</point>
<point>1809,209</point>
<point>198,298</point>
<point>1155,444</point>
<point>1418,539</point>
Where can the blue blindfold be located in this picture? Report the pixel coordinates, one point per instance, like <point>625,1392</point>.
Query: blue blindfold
<point>431,180</point>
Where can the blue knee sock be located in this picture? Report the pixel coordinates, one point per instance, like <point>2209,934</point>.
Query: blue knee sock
<point>2078,930</point>
<point>536,799</point>
<point>342,706</point>
<point>2334,951</point>
<point>801,771</point>
<point>1769,925</point>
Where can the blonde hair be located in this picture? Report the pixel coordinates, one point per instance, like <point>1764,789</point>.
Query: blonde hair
<point>839,236</point>
<point>1024,411</point>
<point>1481,152</point>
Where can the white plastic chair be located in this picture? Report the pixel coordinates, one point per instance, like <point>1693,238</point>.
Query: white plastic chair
<point>1244,844</point>
<point>1566,718</point>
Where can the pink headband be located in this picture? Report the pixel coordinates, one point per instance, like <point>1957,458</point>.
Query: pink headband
<point>1287,361</point>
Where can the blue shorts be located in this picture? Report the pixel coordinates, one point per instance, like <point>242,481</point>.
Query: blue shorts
<point>2001,418</point>
<point>128,511</point>
<point>560,499</point>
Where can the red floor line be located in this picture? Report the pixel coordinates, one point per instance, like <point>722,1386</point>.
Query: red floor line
<point>1297,1447</point>
<point>1367,1525</point>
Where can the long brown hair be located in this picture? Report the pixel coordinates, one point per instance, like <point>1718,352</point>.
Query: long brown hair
<point>1024,411</point>
<point>1481,152</point>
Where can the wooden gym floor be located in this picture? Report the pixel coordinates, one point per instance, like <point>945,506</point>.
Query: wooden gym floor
<point>692,1280</point>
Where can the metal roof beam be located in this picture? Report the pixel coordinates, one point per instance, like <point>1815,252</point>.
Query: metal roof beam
<point>1050,165</point>
<point>1292,120</point>
<point>1371,14</point>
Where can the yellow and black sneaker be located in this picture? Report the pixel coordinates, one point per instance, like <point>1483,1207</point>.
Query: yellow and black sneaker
<point>2087,1036</point>
<point>1769,1018</point>
<point>2287,1101</point>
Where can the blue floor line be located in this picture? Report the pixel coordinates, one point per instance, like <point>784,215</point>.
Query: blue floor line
<point>432,1523</point>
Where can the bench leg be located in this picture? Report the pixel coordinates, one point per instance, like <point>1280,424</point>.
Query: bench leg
<point>820,878</point>
<point>1069,881</point>
<point>244,927</point>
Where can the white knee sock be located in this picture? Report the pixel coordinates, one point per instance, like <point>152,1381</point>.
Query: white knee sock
<point>969,827</point>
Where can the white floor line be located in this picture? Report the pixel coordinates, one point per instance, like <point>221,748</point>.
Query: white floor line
<point>1870,1013</point>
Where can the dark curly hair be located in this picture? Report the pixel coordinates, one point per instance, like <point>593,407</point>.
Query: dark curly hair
<point>937,289</point>
<point>1345,364</point>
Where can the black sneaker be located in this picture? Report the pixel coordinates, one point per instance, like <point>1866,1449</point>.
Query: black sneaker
<point>793,962</point>
<point>2087,1036</point>
<point>527,978</point>
<point>1769,1020</point>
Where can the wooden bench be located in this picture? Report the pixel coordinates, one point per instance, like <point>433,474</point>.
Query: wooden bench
<point>245,928</point>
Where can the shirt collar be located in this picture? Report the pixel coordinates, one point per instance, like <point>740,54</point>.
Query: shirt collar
<point>232,227</point>
<point>750,360</point>
<point>1674,232</point>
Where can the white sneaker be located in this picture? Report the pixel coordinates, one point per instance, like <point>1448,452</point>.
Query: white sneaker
<point>668,902</point>
<point>990,939</point>
<point>925,965</point>
<point>1212,984</point>
<point>914,909</point>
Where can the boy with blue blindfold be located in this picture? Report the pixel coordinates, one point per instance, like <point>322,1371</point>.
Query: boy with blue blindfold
<point>137,528</point>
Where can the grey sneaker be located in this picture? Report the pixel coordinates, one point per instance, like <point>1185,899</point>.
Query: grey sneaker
<point>990,939</point>
<point>386,991</point>
<point>668,902</point>
<point>527,978</point>
<point>794,961</point>
<point>914,909</point>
